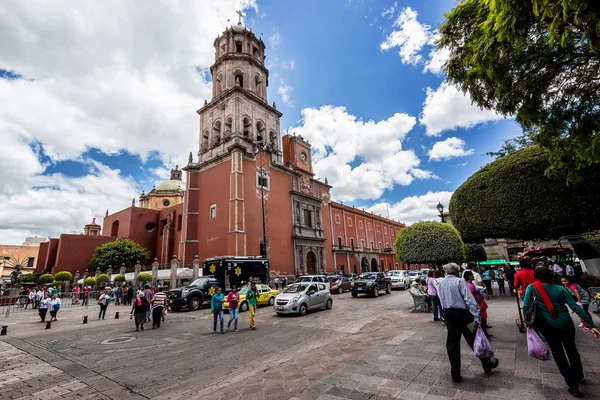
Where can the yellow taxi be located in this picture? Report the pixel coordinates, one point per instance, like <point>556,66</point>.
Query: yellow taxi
<point>266,297</point>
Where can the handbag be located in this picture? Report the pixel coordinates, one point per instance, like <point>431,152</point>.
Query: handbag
<point>533,317</point>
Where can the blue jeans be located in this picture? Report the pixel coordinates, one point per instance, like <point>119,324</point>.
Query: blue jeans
<point>218,314</point>
<point>436,305</point>
<point>233,317</point>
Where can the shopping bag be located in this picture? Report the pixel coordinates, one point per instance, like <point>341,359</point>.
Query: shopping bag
<point>481,346</point>
<point>536,347</point>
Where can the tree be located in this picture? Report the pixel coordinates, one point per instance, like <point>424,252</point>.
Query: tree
<point>89,281</point>
<point>119,278</point>
<point>537,61</point>
<point>511,145</point>
<point>46,278</point>
<point>102,278</point>
<point>121,251</point>
<point>57,283</point>
<point>28,278</point>
<point>145,277</point>
<point>63,276</point>
<point>475,252</point>
<point>512,198</point>
<point>429,243</point>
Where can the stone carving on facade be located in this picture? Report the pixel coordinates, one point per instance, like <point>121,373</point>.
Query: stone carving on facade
<point>305,184</point>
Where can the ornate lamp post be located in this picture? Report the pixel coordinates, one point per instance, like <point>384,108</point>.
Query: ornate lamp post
<point>440,208</point>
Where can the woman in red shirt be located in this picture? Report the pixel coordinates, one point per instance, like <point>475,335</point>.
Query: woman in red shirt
<point>233,299</point>
<point>524,277</point>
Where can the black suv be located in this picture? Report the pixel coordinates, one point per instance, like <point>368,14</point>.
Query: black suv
<point>371,283</point>
<point>193,295</point>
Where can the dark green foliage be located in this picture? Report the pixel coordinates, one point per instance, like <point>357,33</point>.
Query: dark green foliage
<point>119,278</point>
<point>46,278</point>
<point>512,198</point>
<point>63,276</point>
<point>28,278</point>
<point>102,278</point>
<point>89,281</point>
<point>121,251</point>
<point>429,242</point>
<point>145,277</point>
<point>475,252</point>
<point>536,60</point>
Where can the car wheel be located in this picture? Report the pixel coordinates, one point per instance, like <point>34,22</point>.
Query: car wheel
<point>244,306</point>
<point>329,304</point>
<point>303,309</point>
<point>388,289</point>
<point>340,290</point>
<point>195,303</point>
<point>376,291</point>
<point>271,301</point>
<point>354,294</point>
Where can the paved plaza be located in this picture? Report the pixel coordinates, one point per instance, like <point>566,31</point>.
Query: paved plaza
<point>363,348</point>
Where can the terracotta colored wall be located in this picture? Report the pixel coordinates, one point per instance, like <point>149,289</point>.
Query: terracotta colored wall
<point>42,257</point>
<point>52,251</point>
<point>133,224</point>
<point>74,252</point>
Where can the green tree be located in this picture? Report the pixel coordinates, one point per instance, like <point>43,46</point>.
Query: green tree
<point>28,278</point>
<point>63,276</point>
<point>121,251</point>
<point>145,277</point>
<point>429,243</point>
<point>46,278</point>
<point>513,198</point>
<point>57,283</point>
<point>102,278</point>
<point>475,252</point>
<point>89,281</point>
<point>538,61</point>
<point>511,145</point>
<point>119,278</point>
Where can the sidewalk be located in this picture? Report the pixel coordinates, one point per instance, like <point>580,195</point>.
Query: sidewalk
<point>414,365</point>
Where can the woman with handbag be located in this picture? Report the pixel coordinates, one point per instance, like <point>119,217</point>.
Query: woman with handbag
<point>138,310</point>
<point>54,307</point>
<point>556,325</point>
<point>103,303</point>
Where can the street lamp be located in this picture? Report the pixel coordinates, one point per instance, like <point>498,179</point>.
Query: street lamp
<point>440,208</point>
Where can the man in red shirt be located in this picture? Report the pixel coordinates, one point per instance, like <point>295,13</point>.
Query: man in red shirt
<point>524,277</point>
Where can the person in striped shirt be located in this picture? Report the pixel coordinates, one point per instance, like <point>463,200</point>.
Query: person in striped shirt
<point>159,302</point>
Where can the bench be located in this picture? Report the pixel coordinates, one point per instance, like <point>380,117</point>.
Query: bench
<point>420,305</point>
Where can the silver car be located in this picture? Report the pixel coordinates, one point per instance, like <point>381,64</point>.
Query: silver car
<point>400,279</point>
<point>300,297</point>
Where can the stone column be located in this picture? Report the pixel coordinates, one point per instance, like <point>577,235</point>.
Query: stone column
<point>155,270</point>
<point>122,270</point>
<point>136,272</point>
<point>174,266</point>
<point>97,272</point>
<point>196,266</point>
<point>76,278</point>
<point>109,272</point>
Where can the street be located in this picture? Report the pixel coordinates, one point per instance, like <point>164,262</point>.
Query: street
<point>364,348</point>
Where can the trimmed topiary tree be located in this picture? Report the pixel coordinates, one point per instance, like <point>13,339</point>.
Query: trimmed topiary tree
<point>63,276</point>
<point>429,243</point>
<point>512,198</point>
<point>57,283</point>
<point>89,281</point>
<point>102,278</point>
<point>119,278</point>
<point>121,251</point>
<point>475,252</point>
<point>28,278</point>
<point>145,277</point>
<point>46,278</point>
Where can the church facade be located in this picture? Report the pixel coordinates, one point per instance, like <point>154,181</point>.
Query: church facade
<point>246,173</point>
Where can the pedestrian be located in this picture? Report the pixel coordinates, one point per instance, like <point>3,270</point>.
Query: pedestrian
<point>130,293</point>
<point>31,299</point>
<point>86,296</point>
<point>44,305</point>
<point>570,270</point>
<point>53,290</point>
<point>118,295</point>
<point>500,281</point>
<point>276,281</point>
<point>284,282</point>
<point>233,299</point>
<point>75,299</point>
<point>524,277</point>
<point>149,295</point>
<point>557,327</point>
<point>462,315</point>
<point>468,277</point>
<point>159,302</point>
<point>39,295</point>
<point>138,310</point>
<point>432,286</point>
<point>252,298</point>
<point>103,302</point>
<point>580,295</point>
<point>486,277</point>
<point>54,307</point>
<point>509,275</point>
<point>216,306</point>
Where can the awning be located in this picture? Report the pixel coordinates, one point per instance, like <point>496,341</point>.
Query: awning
<point>500,261</point>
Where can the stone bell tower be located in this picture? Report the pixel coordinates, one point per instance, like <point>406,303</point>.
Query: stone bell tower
<point>238,108</point>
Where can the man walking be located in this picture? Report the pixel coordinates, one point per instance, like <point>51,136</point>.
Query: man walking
<point>460,311</point>
<point>509,275</point>
<point>252,297</point>
<point>500,281</point>
<point>159,302</point>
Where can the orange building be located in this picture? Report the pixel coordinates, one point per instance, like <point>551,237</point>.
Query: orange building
<point>242,163</point>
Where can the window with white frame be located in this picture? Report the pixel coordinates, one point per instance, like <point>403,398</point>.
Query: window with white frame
<point>213,211</point>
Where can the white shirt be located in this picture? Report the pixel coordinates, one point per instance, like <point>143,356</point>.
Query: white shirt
<point>39,295</point>
<point>55,301</point>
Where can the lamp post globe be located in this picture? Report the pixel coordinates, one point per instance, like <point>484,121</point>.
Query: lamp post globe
<point>440,208</point>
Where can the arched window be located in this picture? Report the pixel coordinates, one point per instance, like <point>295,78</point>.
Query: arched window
<point>238,78</point>
<point>247,122</point>
<point>216,136</point>
<point>114,231</point>
<point>260,132</point>
<point>273,140</point>
<point>258,86</point>
<point>219,84</point>
<point>228,128</point>
<point>205,137</point>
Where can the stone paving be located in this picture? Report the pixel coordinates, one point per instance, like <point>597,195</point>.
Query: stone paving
<point>362,349</point>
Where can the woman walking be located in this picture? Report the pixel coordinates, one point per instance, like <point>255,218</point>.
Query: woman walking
<point>44,305</point>
<point>469,277</point>
<point>54,307</point>
<point>233,299</point>
<point>103,303</point>
<point>558,328</point>
<point>432,288</point>
<point>76,291</point>
<point>138,310</point>
<point>216,305</point>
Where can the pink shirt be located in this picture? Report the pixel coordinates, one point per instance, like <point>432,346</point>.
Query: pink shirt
<point>233,298</point>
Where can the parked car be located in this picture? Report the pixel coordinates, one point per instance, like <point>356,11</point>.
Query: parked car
<point>399,279</point>
<point>352,277</point>
<point>194,295</point>
<point>298,298</point>
<point>266,297</point>
<point>312,278</point>
<point>423,273</point>
<point>371,283</point>
<point>339,284</point>
<point>413,275</point>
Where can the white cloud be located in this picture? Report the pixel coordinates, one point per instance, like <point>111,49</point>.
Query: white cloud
<point>437,58</point>
<point>389,13</point>
<point>414,208</point>
<point>410,37</point>
<point>274,39</point>
<point>284,92</point>
<point>361,159</point>
<point>447,109</point>
<point>288,64</point>
<point>449,148</point>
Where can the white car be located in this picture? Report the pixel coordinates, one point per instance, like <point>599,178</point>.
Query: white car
<point>298,298</point>
<point>400,279</point>
<point>413,276</point>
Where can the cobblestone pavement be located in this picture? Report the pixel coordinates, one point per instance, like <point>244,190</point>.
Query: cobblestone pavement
<point>363,348</point>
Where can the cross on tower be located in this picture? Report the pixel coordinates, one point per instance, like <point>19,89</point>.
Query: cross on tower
<point>239,13</point>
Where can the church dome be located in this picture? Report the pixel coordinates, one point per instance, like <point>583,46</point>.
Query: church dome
<point>171,185</point>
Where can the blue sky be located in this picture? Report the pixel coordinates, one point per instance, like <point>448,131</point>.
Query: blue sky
<point>92,113</point>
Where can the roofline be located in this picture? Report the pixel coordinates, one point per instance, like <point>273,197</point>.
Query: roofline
<point>366,213</point>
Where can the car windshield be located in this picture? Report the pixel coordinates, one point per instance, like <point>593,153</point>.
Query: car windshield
<point>295,288</point>
<point>413,273</point>
<point>394,273</point>
<point>200,282</point>
<point>333,278</point>
<point>305,279</point>
<point>367,276</point>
